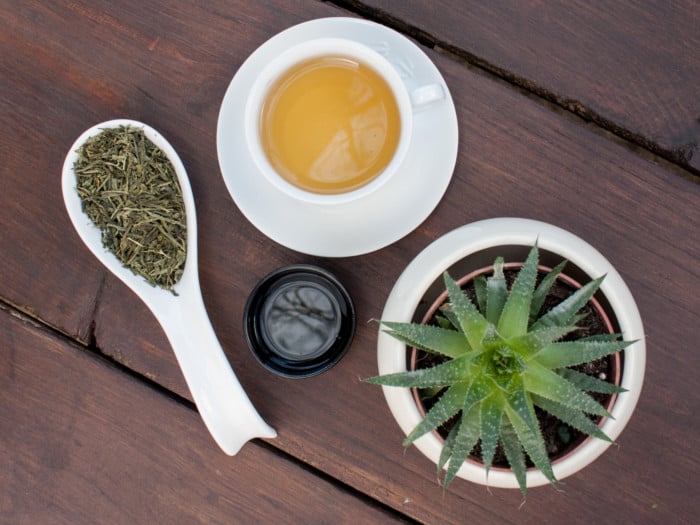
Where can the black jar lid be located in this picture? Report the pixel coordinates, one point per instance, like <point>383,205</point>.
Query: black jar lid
<point>299,321</point>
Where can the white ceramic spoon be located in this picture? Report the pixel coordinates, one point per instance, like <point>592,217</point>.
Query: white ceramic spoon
<point>223,404</point>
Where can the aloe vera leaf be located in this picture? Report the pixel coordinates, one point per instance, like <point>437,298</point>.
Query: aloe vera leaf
<point>602,337</point>
<point>429,338</point>
<point>479,389</point>
<point>471,322</point>
<point>531,343</point>
<point>515,317</point>
<point>491,414</point>
<point>449,314</point>
<point>514,454</point>
<point>443,322</point>
<point>518,401</point>
<point>570,353</point>
<point>589,383</point>
<point>451,402</point>
<point>533,444</point>
<point>496,292</point>
<point>446,451</point>
<point>571,417</point>
<point>564,312</point>
<point>492,340</point>
<point>543,289</point>
<point>547,383</point>
<point>464,442</point>
<point>444,374</point>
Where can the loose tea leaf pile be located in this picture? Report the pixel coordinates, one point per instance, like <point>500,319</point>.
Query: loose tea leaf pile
<point>129,189</point>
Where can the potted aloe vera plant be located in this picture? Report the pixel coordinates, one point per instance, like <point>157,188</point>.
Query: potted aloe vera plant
<point>507,355</point>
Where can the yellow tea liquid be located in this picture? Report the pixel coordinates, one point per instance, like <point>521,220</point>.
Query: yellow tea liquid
<point>330,125</point>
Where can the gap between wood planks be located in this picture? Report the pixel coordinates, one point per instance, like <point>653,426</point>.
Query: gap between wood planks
<point>6,308</point>
<point>678,157</point>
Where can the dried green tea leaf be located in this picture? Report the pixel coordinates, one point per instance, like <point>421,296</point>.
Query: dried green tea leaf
<point>129,189</point>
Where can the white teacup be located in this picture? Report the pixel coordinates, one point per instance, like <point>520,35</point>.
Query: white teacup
<point>407,103</point>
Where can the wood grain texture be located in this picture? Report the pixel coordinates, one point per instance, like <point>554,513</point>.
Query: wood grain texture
<point>170,67</point>
<point>83,443</point>
<point>633,67</point>
<point>37,247</point>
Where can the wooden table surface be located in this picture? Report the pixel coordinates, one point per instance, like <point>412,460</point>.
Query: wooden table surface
<point>586,116</point>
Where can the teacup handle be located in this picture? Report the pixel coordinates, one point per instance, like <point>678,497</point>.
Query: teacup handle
<point>424,95</point>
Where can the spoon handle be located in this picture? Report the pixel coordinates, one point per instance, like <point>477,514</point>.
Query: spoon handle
<point>223,404</point>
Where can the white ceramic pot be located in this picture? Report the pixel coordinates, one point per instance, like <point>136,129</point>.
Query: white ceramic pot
<point>475,245</point>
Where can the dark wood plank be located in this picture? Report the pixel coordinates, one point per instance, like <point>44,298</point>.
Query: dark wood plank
<point>633,67</point>
<point>39,270</point>
<point>517,157</point>
<point>82,443</point>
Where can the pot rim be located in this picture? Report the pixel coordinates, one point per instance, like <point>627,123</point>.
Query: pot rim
<point>478,236</point>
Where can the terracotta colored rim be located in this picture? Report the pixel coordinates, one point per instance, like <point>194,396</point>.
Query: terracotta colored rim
<point>615,361</point>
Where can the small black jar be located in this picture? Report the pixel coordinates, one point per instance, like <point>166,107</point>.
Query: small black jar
<point>299,321</point>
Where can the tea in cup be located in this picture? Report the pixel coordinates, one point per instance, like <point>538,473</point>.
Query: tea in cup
<point>330,120</point>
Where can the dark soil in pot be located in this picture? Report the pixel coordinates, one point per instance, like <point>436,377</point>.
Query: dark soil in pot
<point>560,439</point>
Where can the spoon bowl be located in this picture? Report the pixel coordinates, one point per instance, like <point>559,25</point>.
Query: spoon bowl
<point>222,403</point>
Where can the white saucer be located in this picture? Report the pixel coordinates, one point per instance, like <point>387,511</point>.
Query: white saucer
<point>372,222</point>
